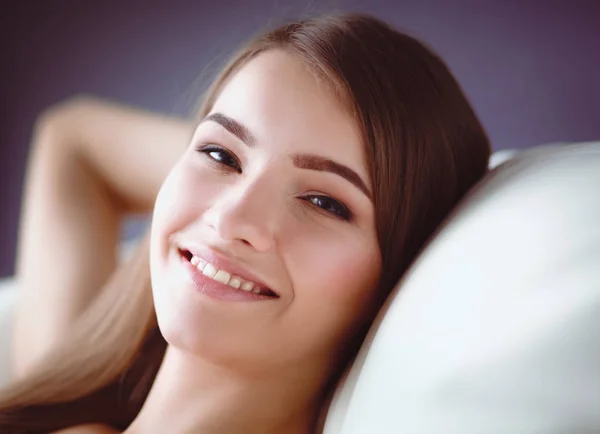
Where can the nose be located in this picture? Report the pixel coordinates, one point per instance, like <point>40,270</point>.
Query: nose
<point>244,213</point>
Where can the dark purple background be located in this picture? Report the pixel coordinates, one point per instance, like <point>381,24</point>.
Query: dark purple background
<point>530,68</point>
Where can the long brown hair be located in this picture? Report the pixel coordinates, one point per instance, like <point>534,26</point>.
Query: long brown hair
<point>424,147</point>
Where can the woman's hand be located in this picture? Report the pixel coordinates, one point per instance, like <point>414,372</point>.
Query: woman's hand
<point>91,162</point>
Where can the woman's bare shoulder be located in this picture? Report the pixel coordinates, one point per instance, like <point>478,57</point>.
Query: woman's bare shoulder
<point>88,429</point>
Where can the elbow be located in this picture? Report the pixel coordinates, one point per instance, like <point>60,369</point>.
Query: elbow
<point>55,124</point>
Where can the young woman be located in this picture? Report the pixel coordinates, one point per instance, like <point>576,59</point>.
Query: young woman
<point>323,157</point>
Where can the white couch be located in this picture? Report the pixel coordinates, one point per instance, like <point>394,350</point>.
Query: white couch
<point>496,327</point>
<point>7,301</point>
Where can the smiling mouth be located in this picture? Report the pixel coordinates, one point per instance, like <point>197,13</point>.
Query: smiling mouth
<point>225,277</point>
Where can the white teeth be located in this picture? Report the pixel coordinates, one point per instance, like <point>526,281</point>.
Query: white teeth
<point>222,276</point>
<point>247,286</point>
<point>209,271</point>
<point>235,282</point>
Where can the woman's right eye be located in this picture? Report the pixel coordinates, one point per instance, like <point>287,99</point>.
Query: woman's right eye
<point>221,157</point>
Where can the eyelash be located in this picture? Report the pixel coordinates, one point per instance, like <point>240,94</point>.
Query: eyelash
<point>208,150</point>
<point>339,211</point>
<point>327,204</point>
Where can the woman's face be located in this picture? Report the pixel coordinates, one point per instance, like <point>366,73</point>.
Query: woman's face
<point>273,196</point>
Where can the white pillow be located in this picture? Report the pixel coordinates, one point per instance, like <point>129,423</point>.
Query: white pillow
<point>8,295</point>
<point>501,156</point>
<point>496,328</point>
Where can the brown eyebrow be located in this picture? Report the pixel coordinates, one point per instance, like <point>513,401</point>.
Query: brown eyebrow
<point>233,126</point>
<point>323,164</point>
<point>301,161</point>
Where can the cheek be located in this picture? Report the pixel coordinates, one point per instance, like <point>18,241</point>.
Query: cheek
<point>168,215</point>
<point>179,204</point>
<point>334,277</point>
<point>181,200</point>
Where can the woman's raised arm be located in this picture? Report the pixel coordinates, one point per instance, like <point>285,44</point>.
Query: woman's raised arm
<point>91,161</point>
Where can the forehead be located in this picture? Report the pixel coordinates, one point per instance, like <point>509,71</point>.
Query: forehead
<point>286,106</point>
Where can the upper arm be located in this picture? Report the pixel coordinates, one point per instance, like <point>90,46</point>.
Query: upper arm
<point>131,149</point>
<point>90,161</point>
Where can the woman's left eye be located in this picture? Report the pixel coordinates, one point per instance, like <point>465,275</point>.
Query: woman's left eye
<point>330,205</point>
<point>221,157</point>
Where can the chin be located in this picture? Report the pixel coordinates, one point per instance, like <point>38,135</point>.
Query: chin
<point>181,321</point>
<point>196,327</point>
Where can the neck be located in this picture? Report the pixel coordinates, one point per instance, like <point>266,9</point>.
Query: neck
<point>192,395</point>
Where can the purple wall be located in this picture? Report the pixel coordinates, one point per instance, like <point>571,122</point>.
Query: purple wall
<point>530,67</point>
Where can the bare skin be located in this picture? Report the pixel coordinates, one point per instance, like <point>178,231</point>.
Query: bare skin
<point>226,381</point>
<point>88,429</point>
<point>240,367</point>
<point>91,163</point>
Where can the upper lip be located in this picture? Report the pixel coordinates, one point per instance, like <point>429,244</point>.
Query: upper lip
<point>221,262</point>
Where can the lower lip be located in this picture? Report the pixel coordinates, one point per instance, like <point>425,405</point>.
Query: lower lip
<point>218,290</point>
